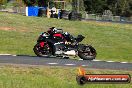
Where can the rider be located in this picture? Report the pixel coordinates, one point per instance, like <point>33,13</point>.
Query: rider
<point>58,39</point>
<point>67,37</point>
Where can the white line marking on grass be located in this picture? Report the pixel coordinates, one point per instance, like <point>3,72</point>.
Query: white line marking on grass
<point>52,63</point>
<point>69,64</point>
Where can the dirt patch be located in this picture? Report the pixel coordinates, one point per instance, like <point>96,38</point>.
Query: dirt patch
<point>6,28</point>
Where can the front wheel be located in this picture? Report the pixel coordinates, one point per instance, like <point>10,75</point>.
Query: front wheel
<point>42,51</point>
<point>87,52</point>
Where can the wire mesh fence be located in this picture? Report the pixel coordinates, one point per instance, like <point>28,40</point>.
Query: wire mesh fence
<point>107,18</point>
<point>21,10</point>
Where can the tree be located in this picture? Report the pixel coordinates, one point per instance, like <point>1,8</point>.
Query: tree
<point>95,6</point>
<point>2,2</point>
<point>118,7</point>
<point>125,8</point>
<point>30,2</point>
<point>40,3</point>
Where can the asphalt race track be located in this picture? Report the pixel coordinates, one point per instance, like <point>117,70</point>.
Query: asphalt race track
<point>33,60</point>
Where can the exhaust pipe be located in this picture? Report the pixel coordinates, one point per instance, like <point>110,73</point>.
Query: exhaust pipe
<point>70,53</point>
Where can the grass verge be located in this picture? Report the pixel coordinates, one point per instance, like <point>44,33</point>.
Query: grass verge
<point>50,77</point>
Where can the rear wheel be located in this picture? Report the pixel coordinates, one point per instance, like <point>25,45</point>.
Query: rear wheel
<point>42,51</point>
<point>87,52</point>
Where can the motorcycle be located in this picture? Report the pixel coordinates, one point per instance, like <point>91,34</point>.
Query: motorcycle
<point>56,43</point>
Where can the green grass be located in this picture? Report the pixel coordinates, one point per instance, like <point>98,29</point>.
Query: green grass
<point>50,77</point>
<point>112,41</point>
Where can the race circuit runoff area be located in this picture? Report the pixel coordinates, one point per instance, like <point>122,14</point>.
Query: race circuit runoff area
<point>53,61</point>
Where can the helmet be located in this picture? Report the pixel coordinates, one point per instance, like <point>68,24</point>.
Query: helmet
<point>66,33</point>
<point>54,30</point>
<point>50,31</point>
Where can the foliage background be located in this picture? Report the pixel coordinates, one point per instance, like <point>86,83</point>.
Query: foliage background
<point>118,7</point>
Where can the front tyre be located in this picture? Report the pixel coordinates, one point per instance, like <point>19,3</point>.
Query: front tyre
<point>87,52</point>
<point>42,51</point>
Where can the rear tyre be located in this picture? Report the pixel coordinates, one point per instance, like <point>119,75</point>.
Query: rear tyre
<point>87,52</point>
<point>42,51</point>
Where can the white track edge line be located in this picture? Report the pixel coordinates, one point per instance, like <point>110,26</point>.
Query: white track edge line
<point>52,63</point>
<point>5,54</point>
<point>110,61</point>
<point>123,62</point>
<point>84,65</point>
<point>69,64</point>
<point>80,59</point>
<point>96,60</point>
